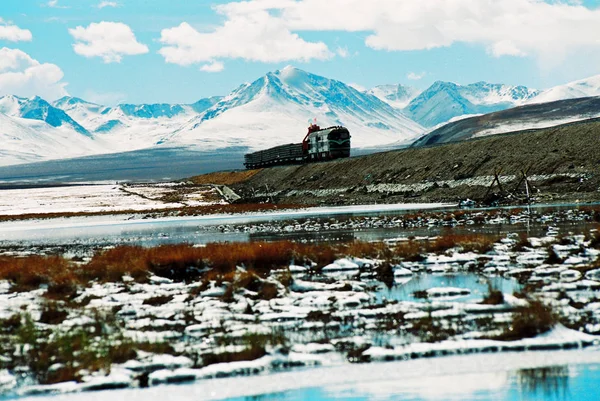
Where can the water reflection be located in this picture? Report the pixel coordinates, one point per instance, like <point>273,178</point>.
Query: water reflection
<point>549,383</point>
<point>539,384</point>
<point>404,291</point>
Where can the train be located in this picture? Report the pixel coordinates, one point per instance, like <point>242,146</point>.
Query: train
<point>318,145</point>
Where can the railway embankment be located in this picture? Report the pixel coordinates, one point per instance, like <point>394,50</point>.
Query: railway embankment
<point>558,164</point>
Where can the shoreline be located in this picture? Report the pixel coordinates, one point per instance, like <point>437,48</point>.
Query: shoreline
<point>353,375</point>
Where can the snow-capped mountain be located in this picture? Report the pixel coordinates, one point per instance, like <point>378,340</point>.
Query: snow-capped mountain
<point>275,109</point>
<point>128,127</point>
<point>26,140</point>
<point>444,101</point>
<point>37,108</point>
<point>398,96</point>
<point>581,88</point>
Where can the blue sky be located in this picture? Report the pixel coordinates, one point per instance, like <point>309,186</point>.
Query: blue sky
<point>366,43</point>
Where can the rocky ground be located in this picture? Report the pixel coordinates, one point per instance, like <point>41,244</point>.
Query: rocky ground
<point>561,165</point>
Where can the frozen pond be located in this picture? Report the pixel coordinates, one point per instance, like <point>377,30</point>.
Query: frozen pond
<point>149,232</point>
<point>404,290</point>
<point>555,383</point>
<point>316,225</point>
<point>522,376</point>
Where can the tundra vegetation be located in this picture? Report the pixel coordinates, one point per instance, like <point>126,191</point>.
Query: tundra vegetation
<point>136,316</point>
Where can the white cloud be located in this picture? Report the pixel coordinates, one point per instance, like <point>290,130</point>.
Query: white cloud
<point>215,66</point>
<point>105,98</point>
<point>54,4</point>
<point>256,36</point>
<point>342,52</point>
<point>415,76</point>
<point>103,4</point>
<point>13,33</point>
<point>109,40</point>
<point>21,75</point>
<point>506,48</point>
<point>544,30</point>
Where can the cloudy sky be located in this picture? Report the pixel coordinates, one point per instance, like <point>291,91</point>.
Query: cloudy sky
<point>136,51</point>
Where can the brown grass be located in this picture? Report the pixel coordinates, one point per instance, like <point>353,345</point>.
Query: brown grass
<point>248,354</point>
<point>158,300</point>
<point>30,272</point>
<point>529,321</point>
<point>216,261</point>
<point>493,297</point>
<point>224,178</point>
<point>413,250</point>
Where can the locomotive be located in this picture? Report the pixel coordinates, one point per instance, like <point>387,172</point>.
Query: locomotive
<point>318,144</point>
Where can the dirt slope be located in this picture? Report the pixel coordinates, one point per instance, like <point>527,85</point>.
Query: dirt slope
<point>563,163</point>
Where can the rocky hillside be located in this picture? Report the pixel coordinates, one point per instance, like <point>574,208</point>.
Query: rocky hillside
<point>516,119</point>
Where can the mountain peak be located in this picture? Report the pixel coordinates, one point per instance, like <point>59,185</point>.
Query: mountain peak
<point>288,68</point>
<point>443,100</point>
<point>586,87</point>
<point>398,96</point>
<point>71,100</point>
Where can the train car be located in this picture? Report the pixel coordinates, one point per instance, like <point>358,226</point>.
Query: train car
<point>283,154</point>
<point>318,144</point>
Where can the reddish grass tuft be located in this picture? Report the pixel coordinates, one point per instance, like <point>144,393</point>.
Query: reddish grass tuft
<point>29,273</point>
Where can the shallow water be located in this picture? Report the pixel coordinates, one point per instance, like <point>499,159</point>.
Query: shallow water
<point>554,383</point>
<point>478,285</point>
<point>204,229</point>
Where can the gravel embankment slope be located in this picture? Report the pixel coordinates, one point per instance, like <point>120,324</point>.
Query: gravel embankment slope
<point>563,163</point>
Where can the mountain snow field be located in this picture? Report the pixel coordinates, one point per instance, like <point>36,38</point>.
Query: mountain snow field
<point>272,110</point>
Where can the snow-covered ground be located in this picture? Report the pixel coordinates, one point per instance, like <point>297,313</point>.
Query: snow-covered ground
<point>100,198</point>
<point>526,125</point>
<point>580,88</point>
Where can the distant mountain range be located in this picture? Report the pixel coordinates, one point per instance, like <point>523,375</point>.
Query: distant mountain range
<point>443,101</point>
<point>274,109</point>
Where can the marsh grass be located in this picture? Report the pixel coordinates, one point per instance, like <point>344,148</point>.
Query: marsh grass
<point>254,344</point>
<point>183,262</point>
<point>158,300</point>
<point>493,296</point>
<point>54,356</point>
<point>529,321</point>
<point>553,258</point>
<point>53,313</point>
<point>429,329</point>
<point>415,251</point>
<point>249,354</point>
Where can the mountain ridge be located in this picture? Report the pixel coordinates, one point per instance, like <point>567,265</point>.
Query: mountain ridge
<point>270,110</point>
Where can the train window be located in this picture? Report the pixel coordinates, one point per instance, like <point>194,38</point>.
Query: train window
<point>343,135</point>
